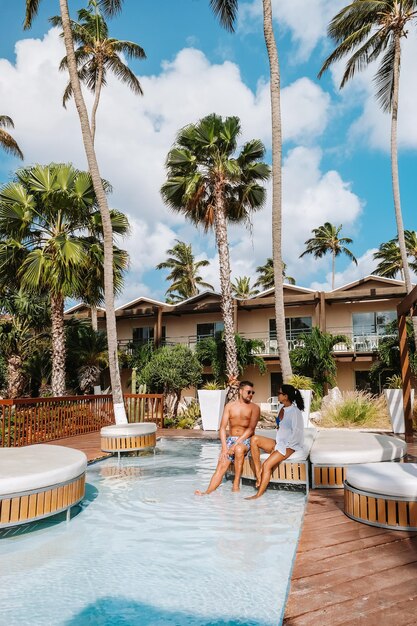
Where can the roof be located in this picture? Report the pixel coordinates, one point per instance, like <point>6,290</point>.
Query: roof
<point>370,278</point>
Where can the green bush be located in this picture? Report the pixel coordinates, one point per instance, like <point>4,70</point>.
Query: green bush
<point>300,382</point>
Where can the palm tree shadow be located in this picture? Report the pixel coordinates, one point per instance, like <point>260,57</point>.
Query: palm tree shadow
<point>116,611</point>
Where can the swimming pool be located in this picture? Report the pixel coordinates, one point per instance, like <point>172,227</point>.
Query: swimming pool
<point>145,551</point>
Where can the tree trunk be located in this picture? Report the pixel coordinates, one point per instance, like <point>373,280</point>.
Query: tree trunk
<point>94,322</point>
<point>119,409</point>
<point>220,227</point>
<point>15,378</point>
<point>276,190</point>
<point>395,174</point>
<point>58,345</point>
<point>333,267</point>
<point>96,101</point>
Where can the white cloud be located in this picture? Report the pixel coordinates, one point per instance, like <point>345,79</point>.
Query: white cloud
<point>307,21</point>
<point>134,135</point>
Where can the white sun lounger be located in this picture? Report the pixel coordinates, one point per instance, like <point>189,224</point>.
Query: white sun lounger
<point>39,481</point>
<point>382,494</point>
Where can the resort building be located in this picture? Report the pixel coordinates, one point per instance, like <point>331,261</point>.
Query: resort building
<point>361,310</point>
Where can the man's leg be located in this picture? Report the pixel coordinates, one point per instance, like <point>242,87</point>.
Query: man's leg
<point>257,444</point>
<point>217,477</point>
<point>239,452</point>
<point>271,462</point>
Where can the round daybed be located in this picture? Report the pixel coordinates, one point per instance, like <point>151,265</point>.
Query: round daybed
<point>334,450</point>
<point>293,470</point>
<point>128,437</point>
<point>382,494</point>
<point>39,481</point>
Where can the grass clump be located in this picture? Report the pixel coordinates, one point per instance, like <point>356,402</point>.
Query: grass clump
<point>356,409</point>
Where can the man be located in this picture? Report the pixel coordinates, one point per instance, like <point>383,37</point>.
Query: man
<point>241,416</point>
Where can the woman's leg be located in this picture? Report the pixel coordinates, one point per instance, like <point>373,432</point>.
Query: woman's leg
<point>271,462</point>
<point>258,443</point>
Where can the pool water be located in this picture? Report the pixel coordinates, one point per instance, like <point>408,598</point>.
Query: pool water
<point>143,550</point>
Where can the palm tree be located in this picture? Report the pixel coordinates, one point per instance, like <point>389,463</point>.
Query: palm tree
<point>227,11</point>
<point>211,352</point>
<point>266,275</point>
<point>389,256</point>
<point>109,7</point>
<point>6,140</point>
<point>42,217</point>
<point>211,186</point>
<point>86,355</point>
<point>313,356</point>
<point>98,54</point>
<point>326,239</point>
<point>23,323</point>
<point>363,31</point>
<point>242,288</point>
<point>184,274</point>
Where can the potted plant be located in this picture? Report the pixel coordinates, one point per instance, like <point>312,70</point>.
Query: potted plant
<point>212,398</point>
<point>394,397</point>
<point>305,385</point>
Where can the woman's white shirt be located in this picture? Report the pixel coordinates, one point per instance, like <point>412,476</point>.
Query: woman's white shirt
<point>290,433</point>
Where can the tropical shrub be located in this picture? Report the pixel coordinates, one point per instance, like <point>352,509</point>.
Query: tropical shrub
<point>170,370</point>
<point>301,382</point>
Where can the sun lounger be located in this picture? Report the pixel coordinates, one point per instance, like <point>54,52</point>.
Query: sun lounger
<point>334,450</point>
<point>128,437</point>
<point>39,481</point>
<point>382,494</point>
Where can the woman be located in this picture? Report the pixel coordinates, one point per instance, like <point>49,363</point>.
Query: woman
<point>290,437</point>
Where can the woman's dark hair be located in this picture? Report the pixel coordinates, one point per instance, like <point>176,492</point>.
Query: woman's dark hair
<point>293,395</point>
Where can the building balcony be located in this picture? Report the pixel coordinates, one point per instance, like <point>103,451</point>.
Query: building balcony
<point>357,343</point>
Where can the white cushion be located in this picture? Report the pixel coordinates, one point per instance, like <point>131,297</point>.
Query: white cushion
<point>389,479</point>
<point>128,430</point>
<point>341,447</point>
<point>298,455</point>
<point>35,467</point>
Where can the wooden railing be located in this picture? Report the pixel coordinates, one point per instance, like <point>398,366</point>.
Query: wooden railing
<point>24,421</point>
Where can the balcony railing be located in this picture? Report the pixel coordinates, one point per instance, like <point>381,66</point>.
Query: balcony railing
<point>362,342</point>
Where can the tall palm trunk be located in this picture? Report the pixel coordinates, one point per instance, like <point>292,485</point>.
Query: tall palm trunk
<point>58,345</point>
<point>276,190</point>
<point>333,267</point>
<point>119,409</point>
<point>220,226</point>
<point>94,323</point>
<point>96,102</point>
<point>394,172</point>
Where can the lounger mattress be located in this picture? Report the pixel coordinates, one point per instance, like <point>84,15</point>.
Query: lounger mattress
<point>389,479</point>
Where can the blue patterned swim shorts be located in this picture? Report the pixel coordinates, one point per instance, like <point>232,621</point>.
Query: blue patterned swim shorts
<point>230,441</point>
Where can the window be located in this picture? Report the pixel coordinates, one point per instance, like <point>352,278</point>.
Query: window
<point>293,327</point>
<point>145,334</point>
<point>209,330</point>
<point>362,381</point>
<point>373,323</point>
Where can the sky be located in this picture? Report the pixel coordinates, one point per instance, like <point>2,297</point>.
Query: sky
<point>336,161</point>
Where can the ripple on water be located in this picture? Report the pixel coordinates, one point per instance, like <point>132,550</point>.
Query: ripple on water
<point>145,546</point>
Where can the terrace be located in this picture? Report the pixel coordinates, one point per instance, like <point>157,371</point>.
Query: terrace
<point>363,341</point>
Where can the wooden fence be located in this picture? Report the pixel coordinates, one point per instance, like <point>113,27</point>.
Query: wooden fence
<point>24,421</point>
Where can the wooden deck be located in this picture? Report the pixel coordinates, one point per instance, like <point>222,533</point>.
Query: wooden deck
<point>344,572</point>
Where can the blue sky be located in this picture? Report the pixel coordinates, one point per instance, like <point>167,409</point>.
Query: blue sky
<point>336,158</point>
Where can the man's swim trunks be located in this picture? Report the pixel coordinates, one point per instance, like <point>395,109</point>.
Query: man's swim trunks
<point>230,441</point>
